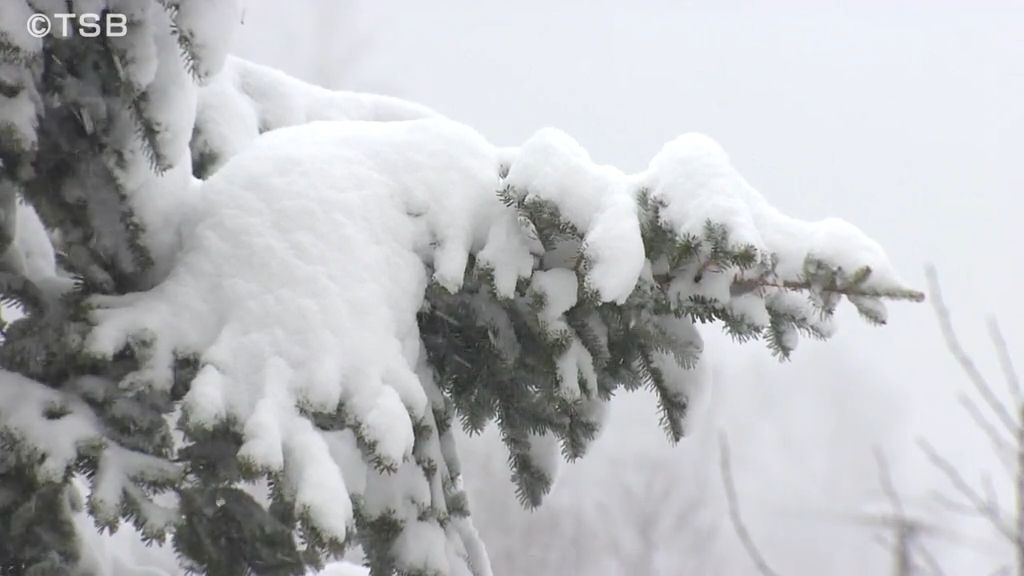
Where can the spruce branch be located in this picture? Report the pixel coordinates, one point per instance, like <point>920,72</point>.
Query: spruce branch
<point>743,284</point>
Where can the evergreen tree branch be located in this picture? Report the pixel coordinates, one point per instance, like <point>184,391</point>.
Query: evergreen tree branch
<point>743,285</point>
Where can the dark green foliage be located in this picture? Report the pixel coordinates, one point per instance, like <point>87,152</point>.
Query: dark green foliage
<point>518,388</point>
<point>376,537</point>
<point>35,516</point>
<point>226,532</point>
<point>71,177</point>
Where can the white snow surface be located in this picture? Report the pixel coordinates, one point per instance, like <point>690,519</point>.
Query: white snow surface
<point>600,200</point>
<point>23,406</point>
<point>546,454</point>
<point>299,286</point>
<point>692,175</point>
<point>211,26</point>
<point>246,99</point>
<point>13,21</point>
<point>344,569</point>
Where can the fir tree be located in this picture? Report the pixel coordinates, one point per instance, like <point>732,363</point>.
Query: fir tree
<point>526,289</point>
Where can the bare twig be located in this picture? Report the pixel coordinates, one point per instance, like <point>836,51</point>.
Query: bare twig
<point>1005,362</point>
<point>966,363</point>
<point>991,497</point>
<point>1019,492</point>
<point>929,560</point>
<point>888,487</point>
<point>1004,450</point>
<point>954,506</point>
<point>904,529</point>
<point>734,511</point>
<point>980,504</point>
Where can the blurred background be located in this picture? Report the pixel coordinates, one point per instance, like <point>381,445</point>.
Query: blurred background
<point>905,118</point>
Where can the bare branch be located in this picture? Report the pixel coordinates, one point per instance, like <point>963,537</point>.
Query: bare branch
<point>888,487</point>
<point>966,363</point>
<point>991,496</point>
<point>734,511</point>
<point>928,560</point>
<point>1002,447</point>
<point>904,529</point>
<point>980,504</point>
<point>1005,362</point>
<point>1019,493</point>
<point>951,505</point>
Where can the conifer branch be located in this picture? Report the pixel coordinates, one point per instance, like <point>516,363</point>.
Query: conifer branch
<point>743,285</point>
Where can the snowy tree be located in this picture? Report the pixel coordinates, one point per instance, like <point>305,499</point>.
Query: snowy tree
<point>254,310</point>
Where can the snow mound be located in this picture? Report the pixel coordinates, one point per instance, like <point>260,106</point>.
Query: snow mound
<point>246,99</point>
<point>300,284</point>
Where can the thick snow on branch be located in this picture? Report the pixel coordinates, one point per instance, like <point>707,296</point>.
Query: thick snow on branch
<point>58,429</point>
<point>246,99</point>
<point>299,284</point>
<point>29,410</point>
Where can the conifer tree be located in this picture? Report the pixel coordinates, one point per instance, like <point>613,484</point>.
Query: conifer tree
<point>256,348</point>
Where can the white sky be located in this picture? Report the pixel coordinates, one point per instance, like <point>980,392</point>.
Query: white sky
<point>905,118</point>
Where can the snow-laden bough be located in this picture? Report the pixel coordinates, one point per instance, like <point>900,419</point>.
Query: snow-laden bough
<point>315,277</point>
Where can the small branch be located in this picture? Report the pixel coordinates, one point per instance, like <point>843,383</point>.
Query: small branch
<point>734,511</point>
<point>904,529</point>
<point>929,560</point>
<point>953,506</point>
<point>1002,447</point>
<point>1005,362</point>
<point>743,285</point>
<point>980,504</point>
<point>1019,493</point>
<point>888,487</point>
<point>965,361</point>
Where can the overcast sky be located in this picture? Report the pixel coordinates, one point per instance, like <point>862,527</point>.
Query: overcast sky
<point>905,118</point>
